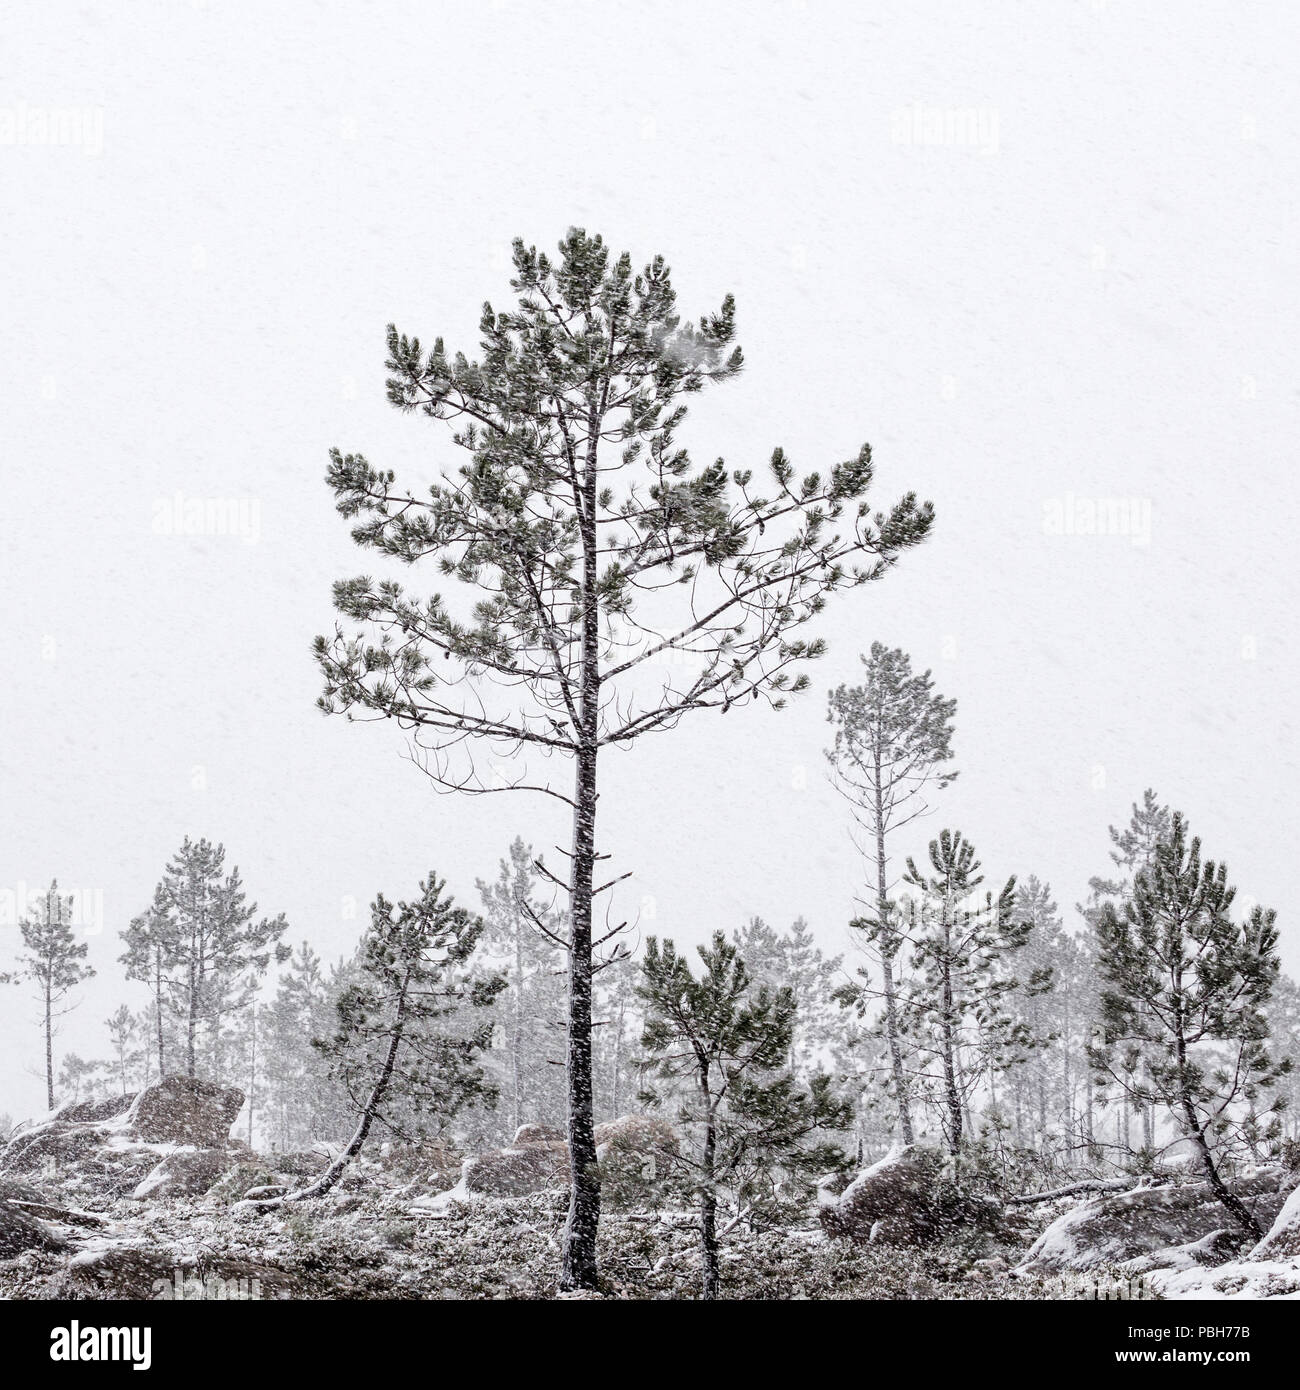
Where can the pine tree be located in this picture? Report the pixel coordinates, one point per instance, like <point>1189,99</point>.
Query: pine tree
<point>794,960</point>
<point>300,1101</point>
<point>53,961</point>
<point>392,1050</point>
<point>617,1034</point>
<point>575,505</point>
<point>723,1046</point>
<point>1038,1088</point>
<point>152,944</point>
<point>123,1032</point>
<point>202,949</point>
<point>893,739</point>
<point>961,948</point>
<point>1188,989</point>
<point>1132,849</point>
<point>524,936</point>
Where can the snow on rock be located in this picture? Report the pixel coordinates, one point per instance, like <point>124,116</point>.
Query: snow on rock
<point>517,1172</point>
<point>185,1110</point>
<point>642,1135</point>
<point>20,1230</point>
<point>906,1199</point>
<point>115,1146</point>
<point>1283,1237</point>
<point>185,1173</point>
<point>1118,1227</point>
<point>1239,1279</point>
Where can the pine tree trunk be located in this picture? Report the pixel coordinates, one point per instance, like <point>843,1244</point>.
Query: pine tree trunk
<point>578,1264</point>
<point>887,972</point>
<point>158,1009</point>
<point>1232,1204</point>
<point>192,1023</point>
<point>517,1043</point>
<point>49,1040</point>
<point>708,1203</point>
<point>578,1269</point>
<point>336,1169</point>
<point>949,1052</point>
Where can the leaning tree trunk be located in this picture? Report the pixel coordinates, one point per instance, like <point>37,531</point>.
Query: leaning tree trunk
<point>1232,1204</point>
<point>336,1169</point>
<point>517,1041</point>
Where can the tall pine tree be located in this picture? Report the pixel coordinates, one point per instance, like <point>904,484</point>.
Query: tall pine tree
<point>602,586</point>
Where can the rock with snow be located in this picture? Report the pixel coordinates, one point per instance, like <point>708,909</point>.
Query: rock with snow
<point>647,1136</point>
<point>302,1163</point>
<point>900,1187</point>
<point>185,1110</point>
<point>104,1109</point>
<point>1216,1248</point>
<point>517,1172</point>
<point>1118,1227</point>
<point>20,1230</point>
<point>906,1199</point>
<point>111,1147</point>
<point>536,1134</point>
<point>53,1145</point>
<point>183,1173</point>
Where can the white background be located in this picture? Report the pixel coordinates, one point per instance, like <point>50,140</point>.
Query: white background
<point>1100,302</point>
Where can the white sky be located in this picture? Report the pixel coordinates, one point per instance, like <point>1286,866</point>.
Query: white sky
<point>1094,299</point>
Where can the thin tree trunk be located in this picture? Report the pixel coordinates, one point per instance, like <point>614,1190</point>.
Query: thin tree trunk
<point>887,971</point>
<point>578,1264</point>
<point>1233,1204</point>
<point>192,1022</point>
<point>517,1044</point>
<point>709,1202</point>
<point>949,1048</point>
<point>578,1270</point>
<point>49,1039</point>
<point>336,1169</point>
<point>158,1010</point>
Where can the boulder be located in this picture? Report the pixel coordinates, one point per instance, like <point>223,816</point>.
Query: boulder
<point>518,1172</point>
<point>54,1144</point>
<point>105,1109</point>
<point>129,1272</point>
<point>908,1198</point>
<point>19,1231</point>
<point>643,1135</point>
<point>1121,1226</point>
<point>302,1163</point>
<point>235,1183</point>
<point>184,1173</point>
<point>185,1110</point>
<point>83,1148</point>
<point>265,1193</point>
<point>1211,1250</point>
<point>536,1134</point>
<point>890,1199</point>
<point>1282,1240</point>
